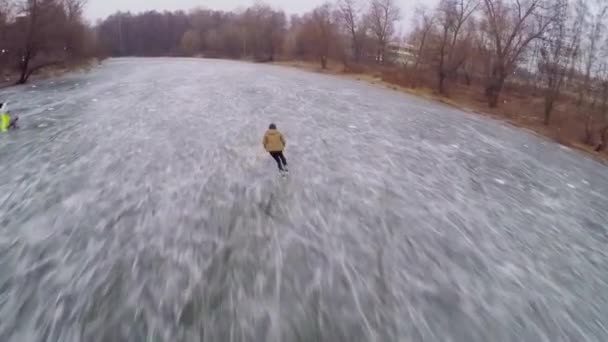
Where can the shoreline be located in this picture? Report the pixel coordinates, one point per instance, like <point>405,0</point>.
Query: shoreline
<point>50,72</point>
<point>428,94</point>
<point>374,78</point>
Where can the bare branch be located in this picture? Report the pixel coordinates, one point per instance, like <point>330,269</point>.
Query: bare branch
<point>382,15</point>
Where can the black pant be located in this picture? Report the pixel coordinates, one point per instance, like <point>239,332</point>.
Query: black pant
<point>280,159</point>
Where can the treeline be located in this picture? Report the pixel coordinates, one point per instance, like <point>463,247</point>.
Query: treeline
<point>555,51</point>
<point>40,33</point>
<point>259,32</point>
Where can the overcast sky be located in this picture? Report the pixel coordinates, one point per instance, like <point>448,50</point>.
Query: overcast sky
<point>98,9</point>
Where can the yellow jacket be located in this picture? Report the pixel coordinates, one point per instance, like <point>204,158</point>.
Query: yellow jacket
<point>274,141</point>
<point>5,121</point>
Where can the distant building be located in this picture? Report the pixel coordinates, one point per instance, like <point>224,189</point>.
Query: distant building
<point>401,53</point>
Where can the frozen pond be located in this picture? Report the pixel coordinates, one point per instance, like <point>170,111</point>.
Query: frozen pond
<point>137,204</point>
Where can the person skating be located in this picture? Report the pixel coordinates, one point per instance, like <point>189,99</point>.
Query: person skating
<point>274,143</point>
<point>7,121</point>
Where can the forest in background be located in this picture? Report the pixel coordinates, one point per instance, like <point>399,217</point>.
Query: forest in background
<point>542,64</point>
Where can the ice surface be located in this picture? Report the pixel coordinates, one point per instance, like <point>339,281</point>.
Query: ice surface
<point>118,223</point>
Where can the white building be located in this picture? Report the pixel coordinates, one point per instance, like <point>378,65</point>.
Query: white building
<point>401,53</point>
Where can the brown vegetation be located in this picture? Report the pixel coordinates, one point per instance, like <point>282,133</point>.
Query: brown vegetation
<point>36,34</point>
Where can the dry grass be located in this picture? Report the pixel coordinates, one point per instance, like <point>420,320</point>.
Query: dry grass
<point>519,107</point>
<point>62,69</point>
<point>10,77</point>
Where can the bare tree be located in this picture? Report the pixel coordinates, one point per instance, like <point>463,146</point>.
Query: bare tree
<point>74,9</point>
<point>469,55</point>
<point>560,46</point>
<point>349,15</point>
<point>382,17</point>
<point>266,29</point>
<point>29,48</point>
<point>47,33</point>
<point>35,34</point>
<point>512,25</point>
<point>190,43</point>
<point>5,9</point>
<point>453,14</point>
<point>33,13</point>
<point>4,17</point>
<point>603,132</point>
<point>75,32</point>
<point>592,43</point>
<point>323,32</point>
<point>277,31</point>
<point>424,26</point>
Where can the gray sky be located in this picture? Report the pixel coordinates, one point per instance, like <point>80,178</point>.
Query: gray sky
<point>98,9</point>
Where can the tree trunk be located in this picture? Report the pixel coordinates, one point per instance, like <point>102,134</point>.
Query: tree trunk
<point>492,94</point>
<point>604,139</point>
<point>420,50</point>
<point>441,68</point>
<point>440,71</point>
<point>548,109</point>
<point>345,61</point>
<point>494,88</point>
<point>467,78</point>
<point>25,68</point>
<point>588,132</point>
<point>550,97</point>
<point>381,52</point>
<point>324,62</point>
<point>356,50</point>
<point>271,52</point>
<point>442,82</point>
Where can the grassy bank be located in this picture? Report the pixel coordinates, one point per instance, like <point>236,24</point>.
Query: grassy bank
<point>519,107</point>
<point>10,78</point>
